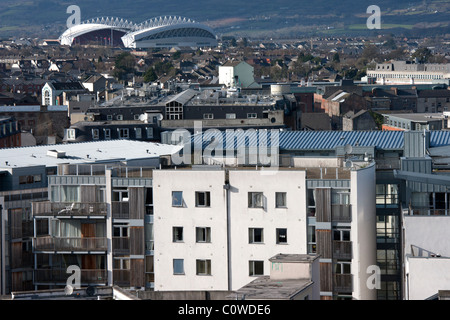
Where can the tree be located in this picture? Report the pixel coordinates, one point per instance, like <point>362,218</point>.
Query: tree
<point>422,55</point>
<point>150,75</point>
<point>336,57</point>
<point>124,64</point>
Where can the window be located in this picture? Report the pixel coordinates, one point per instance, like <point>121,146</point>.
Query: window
<point>120,231</point>
<point>107,134</point>
<point>203,234</point>
<point>252,116</point>
<point>122,263</point>
<point>255,235</point>
<point>230,116</point>
<point>255,200</point>
<point>312,245</point>
<point>123,133</point>
<point>149,133</point>
<point>95,134</point>
<point>208,116</point>
<point>281,235</point>
<point>119,117</point>
<point>203,267</point>
<point>136,116</point>
<point>177,234</point>
<point>255,268</point>
<point>280,199</point>
<point>70,134</point>
<point>178,266</point>
<point>342,268</point>
<point>109,117</point>
<point>47,101</point>
<point>341,235</point>
<point>311,200</point>
<point>177,198</point>
<point>387,195</point>
<point>202,199</point>
<point>138,133</point>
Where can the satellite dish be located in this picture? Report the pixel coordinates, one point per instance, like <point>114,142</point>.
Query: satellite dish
<point>68,290</point>
<point>142,117</point>
<point>90,291</point>
<point>159,117</point>
<point>348,149</point>
<point>348,164</point>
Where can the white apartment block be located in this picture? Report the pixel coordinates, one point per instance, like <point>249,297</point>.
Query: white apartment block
<point>216,229</point>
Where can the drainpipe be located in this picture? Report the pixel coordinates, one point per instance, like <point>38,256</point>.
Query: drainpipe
<point>226,187</point>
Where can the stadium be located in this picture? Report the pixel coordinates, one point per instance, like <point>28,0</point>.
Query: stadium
<point>160,32</point>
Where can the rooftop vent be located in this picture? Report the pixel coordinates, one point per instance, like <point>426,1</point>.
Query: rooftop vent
<point>56,154</point>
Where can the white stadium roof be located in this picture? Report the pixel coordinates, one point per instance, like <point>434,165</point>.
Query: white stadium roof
<point>157,32</point>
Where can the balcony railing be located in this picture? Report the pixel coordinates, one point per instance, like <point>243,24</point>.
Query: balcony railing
<point>68,208</point>
<point>120,210</point>
<point>96,276</point>
<point>342,249</point>
<point>343,283</point>
<point>121,277</point>
<point>341,212</point>
<point>429,212</point>
<point>69,244</point>
<point>121,245</point>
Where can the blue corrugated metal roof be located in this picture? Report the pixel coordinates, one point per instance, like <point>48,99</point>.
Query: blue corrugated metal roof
<point>317,140</point>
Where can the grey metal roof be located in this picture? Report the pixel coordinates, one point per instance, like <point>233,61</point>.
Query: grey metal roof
<point>314,140</point>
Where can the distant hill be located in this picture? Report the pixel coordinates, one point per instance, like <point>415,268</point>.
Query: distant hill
<point>259,18</point>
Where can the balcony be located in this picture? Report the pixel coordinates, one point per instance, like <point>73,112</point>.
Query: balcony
<point>342,250</point>
<point>121,245</point>
<point>120,210</point>
<point>341,212</point>
<point>121,277</point>
<point>428,212</point>
<point>69,244</point>
<point>94,276</point>
<point>343,283</point>
<point>47,208</point>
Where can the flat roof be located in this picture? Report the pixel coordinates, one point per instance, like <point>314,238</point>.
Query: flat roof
<point>85,152</point>
<point>265,288</point>
<point>423,117</point>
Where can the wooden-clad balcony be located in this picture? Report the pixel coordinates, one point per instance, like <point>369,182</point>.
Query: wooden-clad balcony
<point>343,283</point>
<point>120,210</point>
<point>342,250</point>
<point>121,277</point>
<point>69,244</point>
<point>341,212</point>
<point>94,276</point>
<point>121,245</point>
<point>46,208</point>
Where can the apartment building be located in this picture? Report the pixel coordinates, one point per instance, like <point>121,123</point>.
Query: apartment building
<point>95,221</point>
<point>221,226</point>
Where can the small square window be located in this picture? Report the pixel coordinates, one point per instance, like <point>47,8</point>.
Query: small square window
<point>252,116</point>
<point>230,116</point>
<point>202,199</point>
<point>178,266</point>
<point>255,235</point>
<point>203,234</point>
<point>203,267</point>
<point>256,268</point>
<point>281,236</point>
<point>177,234</point>
<point>280,199</point>
<point>255,200</point>
<point>177,198</point>
<point>208,116</point>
